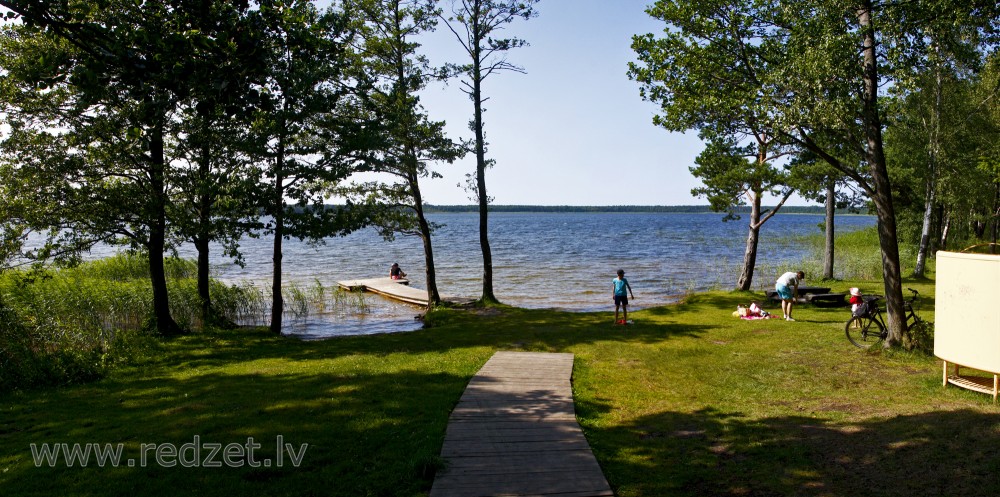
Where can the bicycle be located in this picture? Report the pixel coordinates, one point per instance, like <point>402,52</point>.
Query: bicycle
<point>868,328</point>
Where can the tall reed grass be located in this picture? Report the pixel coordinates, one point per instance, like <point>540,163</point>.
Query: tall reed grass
<point>70,325</point>
<point>857,256</point>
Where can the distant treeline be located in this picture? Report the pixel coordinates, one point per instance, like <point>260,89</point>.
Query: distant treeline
<point>817,209</point>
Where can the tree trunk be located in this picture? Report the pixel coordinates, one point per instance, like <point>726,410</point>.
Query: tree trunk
<point>165,324</point>
<point>945,224</point>
<point>201,244</point>
<point>277,301</point>
<point>875,155</point>
<point>831,210</point>
<point>923,251</point>
<point>433,298</point>
<point>996,220</point>
<point>930,189</point>
<point>750,254</point>
<point>484,200</point>
<point>204,226</point>
<point>278,202</point>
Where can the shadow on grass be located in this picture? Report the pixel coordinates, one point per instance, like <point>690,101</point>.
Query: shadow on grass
<point>511,329</point>
<point>367,434</point>
<point>724,453</point>
<point>374,426</point>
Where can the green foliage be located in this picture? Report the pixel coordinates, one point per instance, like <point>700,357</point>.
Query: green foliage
<point>920,337</point>
<point>75,324</point>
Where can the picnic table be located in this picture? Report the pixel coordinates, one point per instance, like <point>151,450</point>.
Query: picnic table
<point>816,295</point>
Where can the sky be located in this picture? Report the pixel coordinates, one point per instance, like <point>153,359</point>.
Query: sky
<point>573,129</point>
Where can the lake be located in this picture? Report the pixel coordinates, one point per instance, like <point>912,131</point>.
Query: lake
<point>540,260</point>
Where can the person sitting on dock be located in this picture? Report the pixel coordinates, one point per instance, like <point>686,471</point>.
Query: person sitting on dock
<point>395,272</point>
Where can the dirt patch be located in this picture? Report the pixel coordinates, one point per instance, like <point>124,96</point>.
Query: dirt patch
<point>486,311</point>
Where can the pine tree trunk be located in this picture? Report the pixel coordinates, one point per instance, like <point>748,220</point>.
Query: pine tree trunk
<point>888,242</point>
<point>278,203</point>
<point>750,254</point>
<point>484,240</point>
<point>433,297</point>
<point>831,210</point>
<point>201,241</point>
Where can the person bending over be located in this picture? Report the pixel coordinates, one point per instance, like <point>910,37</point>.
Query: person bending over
<point>787,287</point>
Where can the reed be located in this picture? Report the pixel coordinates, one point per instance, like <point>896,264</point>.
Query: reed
<point>349,302</point>
<point>73,324</point>
<point>857,256</point>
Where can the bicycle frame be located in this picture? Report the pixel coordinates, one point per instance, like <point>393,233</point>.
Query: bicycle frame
<point>859,328</point>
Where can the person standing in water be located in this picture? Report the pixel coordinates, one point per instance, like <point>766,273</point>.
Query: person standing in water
<point>620,285</point>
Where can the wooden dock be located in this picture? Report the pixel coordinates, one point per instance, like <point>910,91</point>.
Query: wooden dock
<point>514,433</point>
<point>388,287</point>
<point>394,289</point>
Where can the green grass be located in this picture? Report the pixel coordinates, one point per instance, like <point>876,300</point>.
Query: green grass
<point>687,401</point>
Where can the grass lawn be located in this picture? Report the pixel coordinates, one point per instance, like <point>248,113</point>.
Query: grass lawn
<point>687,401</point>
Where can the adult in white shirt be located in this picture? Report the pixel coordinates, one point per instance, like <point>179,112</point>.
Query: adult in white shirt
<point>787,287</point>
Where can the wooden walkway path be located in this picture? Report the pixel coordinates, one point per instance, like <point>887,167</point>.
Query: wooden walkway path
<point>514,433</point>
<point>396,290</point>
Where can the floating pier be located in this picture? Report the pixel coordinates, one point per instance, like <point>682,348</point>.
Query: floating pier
<point>394,289</point>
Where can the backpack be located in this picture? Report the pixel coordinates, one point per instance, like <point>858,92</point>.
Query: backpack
<point>863,310</point>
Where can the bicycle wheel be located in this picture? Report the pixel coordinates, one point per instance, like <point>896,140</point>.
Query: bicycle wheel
<point>864,332</point>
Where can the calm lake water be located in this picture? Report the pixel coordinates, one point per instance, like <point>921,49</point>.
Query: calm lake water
<point>540,260</point>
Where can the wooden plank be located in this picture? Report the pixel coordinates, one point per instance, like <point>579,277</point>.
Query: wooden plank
<point>514,433</point>
<point>395,289</point>
<point>388,287</point>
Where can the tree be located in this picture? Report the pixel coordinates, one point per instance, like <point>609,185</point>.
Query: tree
<point>939,132</point>
<point>830,86</point>
<point>817,67</point>
<point>312,127</point>
<point>709,72</point>
<point>411,138</point>
<point>112,85</point>
<point>215,198</point>
<point>474,23</point>
<point>730,180</point>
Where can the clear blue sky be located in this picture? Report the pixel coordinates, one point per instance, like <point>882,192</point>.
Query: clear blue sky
<point>573,130</point>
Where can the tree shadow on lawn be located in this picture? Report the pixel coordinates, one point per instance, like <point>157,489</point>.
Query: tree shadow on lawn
<point>368,434</point>
<point>510,329</point>
<point>711,452</point>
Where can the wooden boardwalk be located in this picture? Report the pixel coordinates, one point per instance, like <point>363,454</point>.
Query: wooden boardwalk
<point>514,433</point>
<point>394,289</point>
